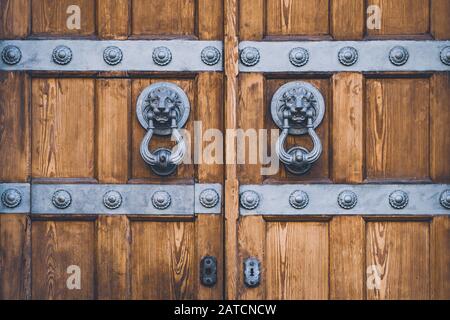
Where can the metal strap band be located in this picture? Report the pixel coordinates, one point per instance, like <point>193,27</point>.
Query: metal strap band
<point>112,199</point>
<point>337,199</point>
<point>127,55</point>
<point>336,56</point>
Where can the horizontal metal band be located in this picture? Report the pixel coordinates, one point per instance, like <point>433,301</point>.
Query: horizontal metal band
<point>93,199</point>
<point>126,55</point>
<point>335,56</point>
<point>337,199</point>
<point>15,197</point>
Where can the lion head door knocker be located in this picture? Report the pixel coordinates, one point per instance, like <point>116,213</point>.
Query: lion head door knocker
<point>162,109</point>
<point>298,108</point>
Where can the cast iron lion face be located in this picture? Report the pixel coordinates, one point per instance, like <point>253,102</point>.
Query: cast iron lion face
<point>300,102</point>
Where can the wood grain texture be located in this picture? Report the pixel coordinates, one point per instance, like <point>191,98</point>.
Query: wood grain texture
<point>320,171</point>
<point>440,258</point>
<point>347,128</point>
<point>297,17</point>
<point>399,253</point>
<point>250,120</point>
<point>56,246</point>
<point>49,17</point>
<point>113,17</point>
<point>397,134</point>
<point>113,263</point>
<point>251,243</point>
<point>210,19</point>
<point>251,19</point>
<point>297,256</point>
<point>402,18</point>
<point>139,169</point>
<point>163,18</point>
<point>15,257</point>
<point>440,11</point>
<point>63,128</point>
<point>14,127</point>
<point>347,19</point>
<point>439,127</point>
<point>113,130</point>
<point>163,260</point>
<point>15,19</point>
<point>209,114</point>
<point>209,242</point>
<point>347,258</point>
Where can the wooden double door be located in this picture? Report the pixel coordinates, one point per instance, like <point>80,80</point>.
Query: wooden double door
<point>81,128</point>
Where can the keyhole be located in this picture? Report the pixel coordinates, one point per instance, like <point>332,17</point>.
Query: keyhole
<point>252,272</point>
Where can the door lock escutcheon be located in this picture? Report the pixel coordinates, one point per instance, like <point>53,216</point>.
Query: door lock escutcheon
<point>208,271</point>
<point>162,109</point>
<point>298,108</point>
<point>252,272</point>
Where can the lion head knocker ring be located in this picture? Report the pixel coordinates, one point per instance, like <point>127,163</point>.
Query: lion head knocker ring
<point>162,109</point>
<point>298,108</point>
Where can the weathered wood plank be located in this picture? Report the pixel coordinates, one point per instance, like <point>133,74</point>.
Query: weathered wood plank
<point>15,18</point>
<point>210,19</point>
<point>113,17</point>
<point>347,19</point>
<point>440,258</point>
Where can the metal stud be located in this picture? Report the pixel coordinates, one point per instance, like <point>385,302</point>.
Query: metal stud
<point>61,199</point>
<point>11,55</point>
<point>348,56</point>
<point>347,199</point>
<point>162,56</point>
<point>11,198</point>
<point>299,57</point>
<point>112,199</point>
<point>210,55</point>
<point>112,55</point>
<point>249,200</point>
<point>62,55</point>
<point>399,55</point>
<point>445,56</point>
<point>444,199</point>
<point>398,199</point>
<point>209,198</point>
<point>299,199</point>
<point>249,56</point>
<point>161,200</point>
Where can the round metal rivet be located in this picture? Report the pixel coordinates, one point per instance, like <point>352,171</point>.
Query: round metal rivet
<point>249,56</point>
<point>162,56</point>
<point>112,199</point>
<point>299,57</point>
<point>161,200</point>
<point>61,199</point>
<point>398,199</point>
<point>348,56</point>
<point>62,55</point>
<point>398,55</point>
<point>112,55</point>
<point>209,198</point>
<point>249,200</point>
<point>298,199</point>
<point>11,55</point>
<point>444,199</point>
<point>11,198</point>
<point>347,199</point>
<point>445,56</point>
<point>210,56</point>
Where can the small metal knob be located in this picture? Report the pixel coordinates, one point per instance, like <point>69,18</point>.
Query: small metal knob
<point>398,199</point>
<point>210,56</point>
<point>444,199</point>
<point>249,200</point>
<point>112,55</point>
<point>398,55</point>
<point>299,57</point>
<point>162,56</point>
<point>445,56</point>
<point>112,200</point>
<point>249,56</point>
<point>209,198</point>
<point>298,199</point>
<point>348,56</point>
<point>11,198</point>
<point>11,55</point>
<point>347,199</point>
<point>161,200</point>
<point>61,199</point>
<point>62,55</point>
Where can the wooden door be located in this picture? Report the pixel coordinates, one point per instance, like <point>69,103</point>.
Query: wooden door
<point>70,128</point>
<point>379,128</point>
